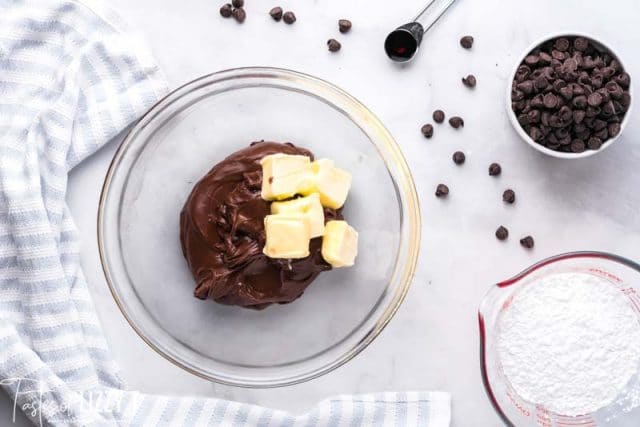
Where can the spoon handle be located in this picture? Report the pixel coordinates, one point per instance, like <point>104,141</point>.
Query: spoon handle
<point>432,12</point>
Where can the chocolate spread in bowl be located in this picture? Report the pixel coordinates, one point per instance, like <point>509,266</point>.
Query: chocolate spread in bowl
<point>222,235</point>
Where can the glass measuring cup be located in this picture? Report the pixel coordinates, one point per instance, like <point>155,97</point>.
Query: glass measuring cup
<point>624,411</point>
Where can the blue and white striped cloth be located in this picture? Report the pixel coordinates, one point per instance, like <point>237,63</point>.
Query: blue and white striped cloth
<point>71,80</point>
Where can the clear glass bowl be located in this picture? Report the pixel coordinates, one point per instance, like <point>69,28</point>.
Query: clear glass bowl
<point>624,411</point>
<point>173,146</point>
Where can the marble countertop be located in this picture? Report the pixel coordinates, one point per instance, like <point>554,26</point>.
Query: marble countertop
<point>432,343</point>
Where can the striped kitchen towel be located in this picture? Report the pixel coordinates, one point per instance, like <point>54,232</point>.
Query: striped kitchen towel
<point>71,80</point>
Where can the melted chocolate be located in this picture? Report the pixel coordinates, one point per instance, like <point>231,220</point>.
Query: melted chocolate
<point>222,235</point>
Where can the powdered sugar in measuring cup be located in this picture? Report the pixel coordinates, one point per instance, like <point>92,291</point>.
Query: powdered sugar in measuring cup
<point>560,343</point>
<point>570,342</point>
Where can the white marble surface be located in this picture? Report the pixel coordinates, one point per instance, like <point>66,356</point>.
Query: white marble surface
<point>432,344</point>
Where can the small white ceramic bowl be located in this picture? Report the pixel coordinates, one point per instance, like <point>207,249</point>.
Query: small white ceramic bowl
<point>514,120</point>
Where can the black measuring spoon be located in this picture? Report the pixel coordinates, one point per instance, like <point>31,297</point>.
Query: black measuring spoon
<point>402,43</point>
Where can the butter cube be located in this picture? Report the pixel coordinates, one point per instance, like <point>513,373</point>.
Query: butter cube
<point>288,236</point>
<point>285,175</point>
<point>331,183</point>
<point>339,244</point>
<point>308,206</point>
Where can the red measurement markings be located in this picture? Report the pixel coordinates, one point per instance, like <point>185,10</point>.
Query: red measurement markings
<point>606,274</point>
<point>524,411</point>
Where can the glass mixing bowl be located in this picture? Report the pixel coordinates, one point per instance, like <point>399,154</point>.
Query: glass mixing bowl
<point>624,411</point>
<point>173,146</point>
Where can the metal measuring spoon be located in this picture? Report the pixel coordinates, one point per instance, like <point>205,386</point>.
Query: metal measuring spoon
<point>402,43</point>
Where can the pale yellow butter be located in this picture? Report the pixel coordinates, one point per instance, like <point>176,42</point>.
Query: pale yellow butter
<point>339,244</point>
<point>288,236</point>
<point>308,206</point>
<point>285,175</point>
<point>331,183</point>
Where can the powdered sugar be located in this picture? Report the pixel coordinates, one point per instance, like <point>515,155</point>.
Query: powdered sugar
<point>569,342</point>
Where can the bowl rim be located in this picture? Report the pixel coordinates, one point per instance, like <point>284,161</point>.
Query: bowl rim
<point>404,185</point>
<point>514,120</point>
<point>482,309</point>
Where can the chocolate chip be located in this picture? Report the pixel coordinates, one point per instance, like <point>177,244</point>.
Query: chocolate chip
<point>550,100</point>
<point>442,190</point>
<point>580,101</point>
<point>459,157</point>
<point>333,45</point>
<point>456,122</point>
<point>469,81</point>
<point>540,83</point>
<point>289,17</point>
<point>495,169</point>
<point>533,116</point>
<point>595,99</point>
<point>535,133</point>
<point>344,25</point>
<point>226,10</point>
<point>502,233</point>
<point>526,87</point>
<point>522,73</point>
<point>509,196</point>
<point>594,143</point>
<point>577,146</point>
<point>623,80</point>
<point>580,44</point>
<point>527,242</point>
<point>438,116</point>
<point>466,42</point>
<point>537,101</point>
<point>614,89</point>
<point>544,58</point>
<point>239,14</point>
<point>532,59</point>
<point>427,130</point>
<point>614,129</point>
<point>276,13</point>
<point>237,3</point>
<point>561,44</point>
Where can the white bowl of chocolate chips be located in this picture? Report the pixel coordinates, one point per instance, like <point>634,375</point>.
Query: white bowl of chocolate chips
<point>569,96</point>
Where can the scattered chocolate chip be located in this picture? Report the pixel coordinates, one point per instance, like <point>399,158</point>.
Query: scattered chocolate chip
<point>226,10</point>
<point>344,25</point>
<point>509,196</point>
<point>466,42</point>
<point>459,157</point>
<point>527,242</point>
<point>456,122</point>
<point>289,17</point>
<point>442,190</point>
<point>276,13</point>
<point>239,14</point>
<point>438,116</point>
<point>427,130</point>
<point>469,81</point>
<point>237,3</point>
<point>495,169</point>
<point>502,233</point>
<point>333,45</point>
